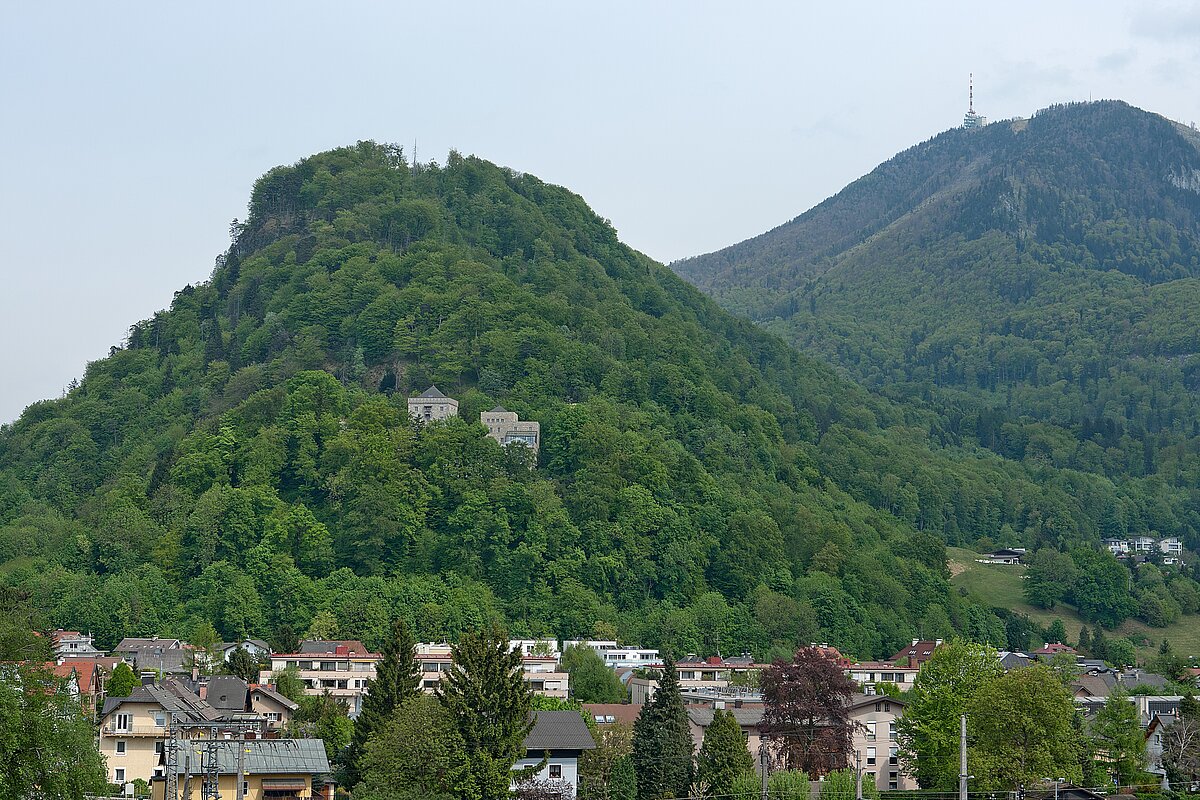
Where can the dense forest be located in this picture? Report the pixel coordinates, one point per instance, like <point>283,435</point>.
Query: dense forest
<point>245,460</point>
<point>1033,284</point>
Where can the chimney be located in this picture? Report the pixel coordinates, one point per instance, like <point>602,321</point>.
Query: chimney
<point>195,673</point>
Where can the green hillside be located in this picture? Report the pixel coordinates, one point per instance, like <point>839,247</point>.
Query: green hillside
<point>1032,284</point>
<point>245,459</point>
<point>1000,586</point>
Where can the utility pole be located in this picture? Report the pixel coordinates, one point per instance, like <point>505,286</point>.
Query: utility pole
<point>241,765</point>
<point>762,764</point>
<point>858,795</point>
<point>962,758</point>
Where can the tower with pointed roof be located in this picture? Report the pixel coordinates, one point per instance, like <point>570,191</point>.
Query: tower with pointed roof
<point>431,405</point>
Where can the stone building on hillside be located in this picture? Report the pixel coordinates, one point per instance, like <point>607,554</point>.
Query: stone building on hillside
<point>506,428</point>
<point>431,405</point>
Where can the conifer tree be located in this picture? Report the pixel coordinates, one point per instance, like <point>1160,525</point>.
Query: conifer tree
<point>492,708</point>
<point>396,680</point>
<point>723,756</point>
<point>662,742</point>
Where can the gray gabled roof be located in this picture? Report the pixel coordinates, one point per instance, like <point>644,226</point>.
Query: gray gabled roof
<point>268,757</point>
<point>746,716</point>
<point>499,410</point>
<point>432,393</point>
<point>180,701</point>
<point>559,730</point>
<point>227,693</point>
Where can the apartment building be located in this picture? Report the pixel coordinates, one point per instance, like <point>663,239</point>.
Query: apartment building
<point>874,741</point>
<point>618,656</point>
<point>869,673</point>
<point>343,668</point>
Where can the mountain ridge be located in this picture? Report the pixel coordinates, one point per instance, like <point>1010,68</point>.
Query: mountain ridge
<point>246,459</point>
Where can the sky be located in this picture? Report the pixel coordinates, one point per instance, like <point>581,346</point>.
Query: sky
<point>131,133</point>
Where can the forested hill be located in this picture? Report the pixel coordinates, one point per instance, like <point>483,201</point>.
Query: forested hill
<point>245,460</point>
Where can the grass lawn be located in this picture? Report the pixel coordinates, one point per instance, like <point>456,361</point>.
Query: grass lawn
<point>999,585</point>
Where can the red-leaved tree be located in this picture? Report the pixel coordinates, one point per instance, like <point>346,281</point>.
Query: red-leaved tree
<point>806,718</point>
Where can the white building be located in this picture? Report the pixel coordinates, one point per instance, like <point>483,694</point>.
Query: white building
<point>616,656</point>
<point>564,736</point>
<point>536,647</point>
<point>431,405</point>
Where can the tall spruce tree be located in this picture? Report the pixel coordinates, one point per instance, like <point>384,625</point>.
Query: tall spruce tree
<point>491,707</point>
<point>396,680</point>
<point>723,756</point>
<point>662,742</point>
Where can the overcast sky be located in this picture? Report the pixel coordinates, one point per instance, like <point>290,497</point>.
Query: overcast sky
<point>131,132</point>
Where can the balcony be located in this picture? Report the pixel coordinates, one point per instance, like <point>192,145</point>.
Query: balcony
<point>112,730</point>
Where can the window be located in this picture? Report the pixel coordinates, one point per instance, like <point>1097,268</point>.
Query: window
<point>870,756</point>
<point>887,706</point>
<point>120,747</point>
<point>893,781</point>
<point>160,719</point>
<point>119,775</point>
<point>894,756</point>
<point>871,731</point>
<point>273,716</point>
<point>879,706</point>
<point>555,772</point>
<point>891,731</point>
<point>123,722</point>
<point>328,666</point>
<point>158,748</point>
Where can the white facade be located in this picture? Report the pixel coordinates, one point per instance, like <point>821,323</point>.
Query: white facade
<point>616,656</point>
<point>558,768</point>
<point>536,647</point>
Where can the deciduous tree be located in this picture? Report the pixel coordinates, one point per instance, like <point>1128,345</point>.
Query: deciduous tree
<point>805,715</point>
<point>929,730</point>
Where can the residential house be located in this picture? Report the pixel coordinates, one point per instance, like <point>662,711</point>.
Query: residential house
<point>272,769</point>
<point>869,673</point>
<point>257,648</point>
<point>133,729</point>
<point>1011,660</point>
<point>433,660</point>
<point>1049,650</point>
<point>701,677</point>
<point>73,644</point>
<point>543,676</point>
<point>561,737</point>
<point>161,656</point>
<point>1118,547</point>
<point>88,676</point>
<point>617,656</point>
<point>1144,544</point>
<point>875,743</point>
<point>1171,546</point>
<point>536,647</point>
<point>431,405</point>
<point>1004,555</point>
<point>917,653</point>
<point>506,428</point>
<point>748,718</point>
<point>276,709</point>
<point>344,669</point>
<point>609,714</point>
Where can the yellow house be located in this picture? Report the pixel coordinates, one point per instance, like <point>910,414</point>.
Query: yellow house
<point>272,769</point>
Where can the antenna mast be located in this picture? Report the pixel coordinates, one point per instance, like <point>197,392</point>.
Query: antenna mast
<point>970,92</point>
